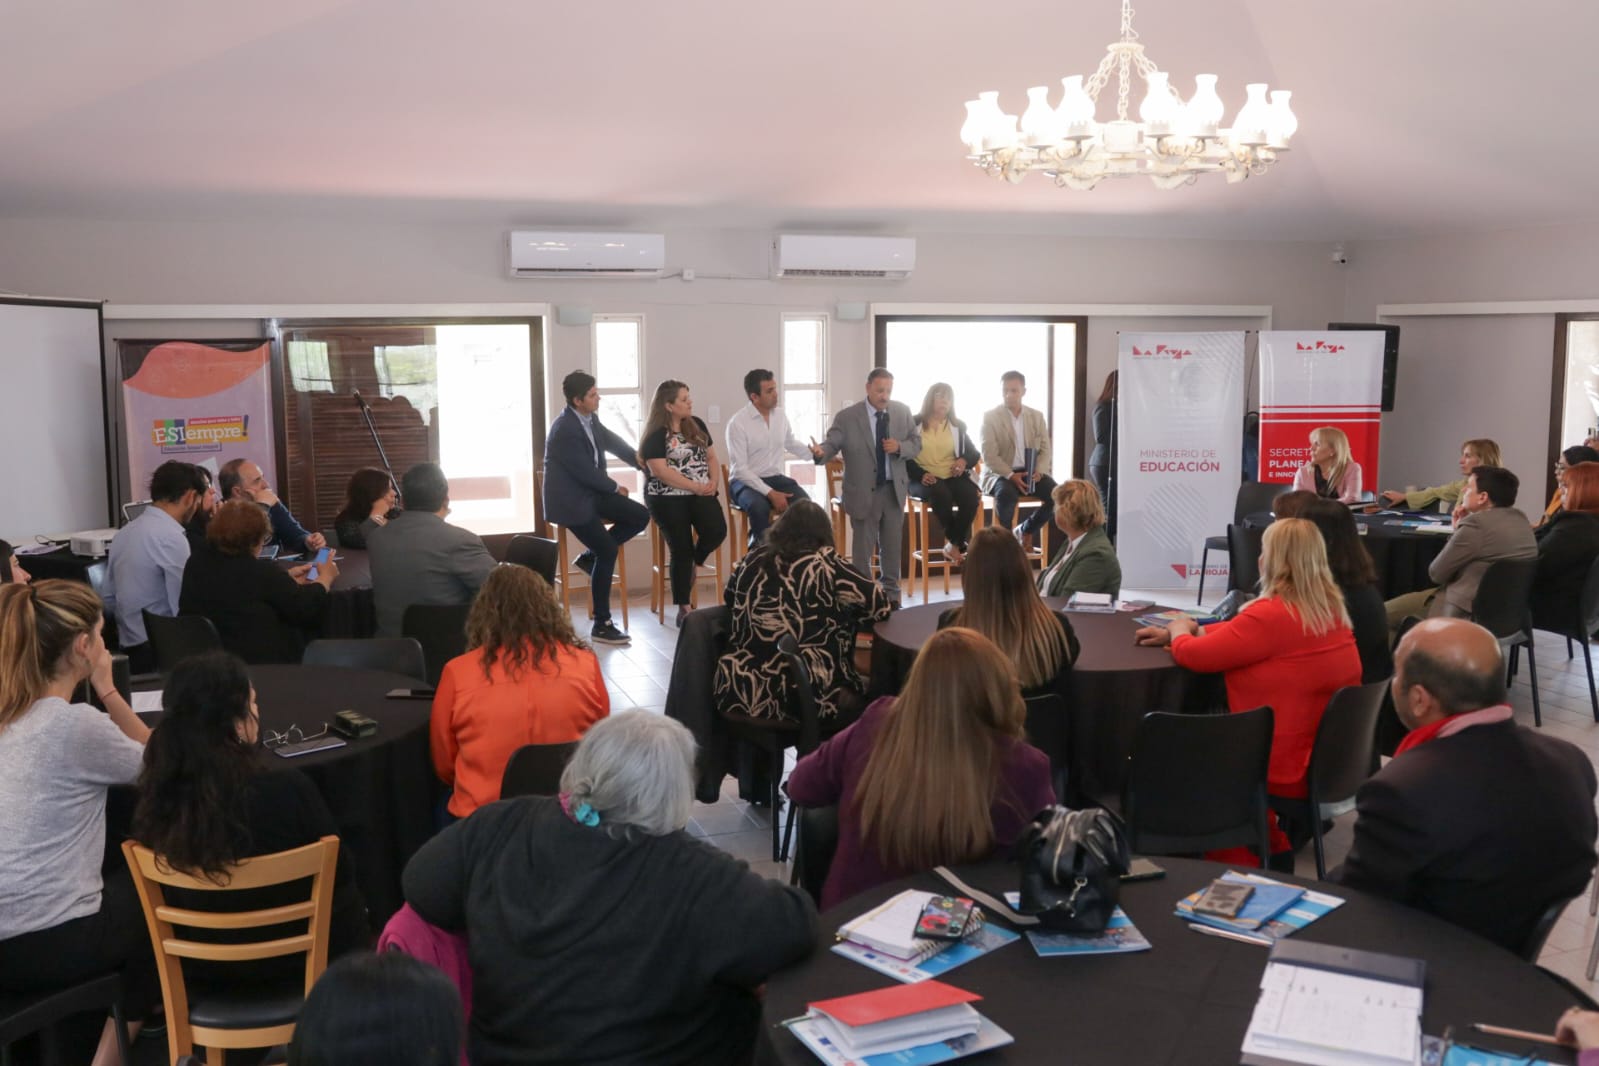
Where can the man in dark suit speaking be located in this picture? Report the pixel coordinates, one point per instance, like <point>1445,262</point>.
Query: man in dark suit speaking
<point>1477,820</point>
<point>579,495</point>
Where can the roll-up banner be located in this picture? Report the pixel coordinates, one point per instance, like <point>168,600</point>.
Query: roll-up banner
<point>203,402</point>
<point>1180,410</point>
<point>1314,379</point>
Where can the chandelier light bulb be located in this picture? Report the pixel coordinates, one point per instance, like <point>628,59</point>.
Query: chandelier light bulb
<point>1159,109</point>
<point>1001,134</point>
<point>1283,121</point>
<point>1075,116</point>
<point>1254,118</point>
<point>1204,109</point>
<point>972,128</point>
<point>1038,121</point>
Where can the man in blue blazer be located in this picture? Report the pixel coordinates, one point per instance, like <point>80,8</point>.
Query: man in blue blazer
<point>579,495</point>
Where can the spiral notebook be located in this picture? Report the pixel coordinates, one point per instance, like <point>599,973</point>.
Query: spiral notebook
<point>890,928</point>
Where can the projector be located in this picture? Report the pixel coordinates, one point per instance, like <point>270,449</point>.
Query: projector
<point>91,542</point>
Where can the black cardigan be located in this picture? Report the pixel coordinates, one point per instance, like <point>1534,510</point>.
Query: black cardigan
<point>1567,545</point>
<point>965,448</point>
<point>261,613</point>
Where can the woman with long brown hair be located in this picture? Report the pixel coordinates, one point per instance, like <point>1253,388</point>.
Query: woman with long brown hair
<point>1289,650</point>
<point>1002,604</point>
<point>61,922</point>
<point>941,471</point>
<point>681,491</point>
<point>526,678</point>
<point>940,774</point>
<point>369,497</point>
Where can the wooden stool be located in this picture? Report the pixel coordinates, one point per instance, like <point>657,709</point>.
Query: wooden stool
<point>835,506</point>
<point>924,557</point>
<point>1040,553</point>
<point>660,573</point>
<point>738,522</point>
<point>564,571</point>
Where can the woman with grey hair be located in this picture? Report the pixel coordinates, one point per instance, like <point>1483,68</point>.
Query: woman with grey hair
<point>598,930</point>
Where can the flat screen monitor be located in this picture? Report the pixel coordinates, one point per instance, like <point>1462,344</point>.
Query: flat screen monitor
<point>1390,355</point>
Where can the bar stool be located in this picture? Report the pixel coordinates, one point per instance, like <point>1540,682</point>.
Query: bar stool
<point>835,506</point>
<point>738,522</point>
<point>564,570</point>
<point>660,573</point>
<point>1040,553</point>
<point>924,558</point>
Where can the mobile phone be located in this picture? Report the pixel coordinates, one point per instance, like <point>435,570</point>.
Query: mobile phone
<point>306,747</point>
<point>1223,899</point>
<point>947,918</point>
<point>268,552</point>
<point>321,557</point>
<point>1143,870</point>
<point>410,694</point>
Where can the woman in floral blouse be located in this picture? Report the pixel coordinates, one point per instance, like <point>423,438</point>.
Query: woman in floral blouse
<point>681,493</point>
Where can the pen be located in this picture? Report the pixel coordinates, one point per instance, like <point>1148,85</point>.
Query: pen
<point>1518,1034</point>
<point>1243,937</point>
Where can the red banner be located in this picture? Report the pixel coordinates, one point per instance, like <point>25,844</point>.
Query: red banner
<point>1309,380</point>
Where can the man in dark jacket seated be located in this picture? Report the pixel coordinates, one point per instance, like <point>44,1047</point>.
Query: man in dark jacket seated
<point>1477,820</point>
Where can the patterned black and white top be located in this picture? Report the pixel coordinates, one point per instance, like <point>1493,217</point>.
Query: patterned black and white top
<point>817,597</point>
<point>687,458</point>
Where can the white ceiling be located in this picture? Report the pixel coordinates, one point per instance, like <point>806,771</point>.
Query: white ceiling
<point>713,113</point>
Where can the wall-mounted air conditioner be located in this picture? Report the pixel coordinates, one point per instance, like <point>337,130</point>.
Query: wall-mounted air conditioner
<point>804,255</point>
<point>557,254</point>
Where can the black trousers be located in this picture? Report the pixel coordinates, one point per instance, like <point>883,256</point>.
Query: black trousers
<point>1006,497</point>
<point>944,496</point>
<point>627,520</point>
<point>114,938</point>
<point>693,527</point>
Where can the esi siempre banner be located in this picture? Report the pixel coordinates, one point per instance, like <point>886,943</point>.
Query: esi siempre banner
<point>1180,402</point>
<point>1314,379</point>
<point>202,402</point>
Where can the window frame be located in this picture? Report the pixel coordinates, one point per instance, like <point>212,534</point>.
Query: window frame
<point>1557,389</point>
<point>612,463</point>
<point>824,329</point>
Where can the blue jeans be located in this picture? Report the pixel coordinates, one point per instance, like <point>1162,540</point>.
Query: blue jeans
<point>758,507</point>
<point>627,520</point>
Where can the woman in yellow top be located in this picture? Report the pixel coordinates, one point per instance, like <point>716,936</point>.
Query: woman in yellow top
<point>941,471</point>
<point>526,678</point>
<point>1473,453</point>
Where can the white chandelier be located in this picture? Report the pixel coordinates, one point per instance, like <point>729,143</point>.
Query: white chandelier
<point>1173,143</point>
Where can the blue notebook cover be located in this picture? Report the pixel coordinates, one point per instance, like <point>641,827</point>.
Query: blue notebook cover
<point>988,937</point>
<point>1265,903</point>
<point>1306,909</point>
<point>1120,937</point>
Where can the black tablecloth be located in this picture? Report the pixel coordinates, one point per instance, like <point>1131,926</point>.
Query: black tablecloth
<point>381,788</point>
<point>58,564</point>
<point>1186,1001</point>
<point>1114,684</point>
<point>1401,556</point>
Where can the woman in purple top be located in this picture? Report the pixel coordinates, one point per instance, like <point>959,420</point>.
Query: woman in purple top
<point>942,774</point>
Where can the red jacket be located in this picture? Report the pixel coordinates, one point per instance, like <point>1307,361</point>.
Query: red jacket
<point>1270,661</point>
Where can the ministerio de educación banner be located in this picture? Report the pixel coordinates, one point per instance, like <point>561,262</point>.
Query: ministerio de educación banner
<point>1180,398</point>
<point>1313,379</point>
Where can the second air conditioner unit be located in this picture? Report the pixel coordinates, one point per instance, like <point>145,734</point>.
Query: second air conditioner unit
<point>805,255</point>
<point>559,254</point>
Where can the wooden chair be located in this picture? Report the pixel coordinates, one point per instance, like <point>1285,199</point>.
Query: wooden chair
<point>660,573</point>
<point>738,522</point>
<point>223,1018</point>
<point>565,571</point>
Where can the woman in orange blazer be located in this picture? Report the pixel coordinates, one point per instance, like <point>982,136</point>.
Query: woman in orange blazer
<point>526,678</point>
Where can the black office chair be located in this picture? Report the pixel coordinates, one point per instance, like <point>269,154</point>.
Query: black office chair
<point>1252,496</point>
<point>1533,946</point>
<point>173,640</point>
<point>1243,557</point>
<point>803,730</point>
<point>1049,730</point>
<point>1196,782</point>
<point>1344,755</point>
<point>440,630</point>
<point>40,1012</point>
<point>1578,623</point>
<point>814,849</point>
<point>539,554</point>
<point>535,769</point>
<point>396,655</point>
<point>1500,607</point>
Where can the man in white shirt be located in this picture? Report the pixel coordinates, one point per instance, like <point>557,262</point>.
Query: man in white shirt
<point>759,441</point>
<point>1016,454</point>
<point>145,564</point>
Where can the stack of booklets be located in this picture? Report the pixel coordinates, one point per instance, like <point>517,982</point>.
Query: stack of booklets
<point>1092,602</point>
<point>1322,1005</point>
<point>903,1025</point>
<point>1119,936</point>
<point>1164,618</point>
<point>884,939</point>
<point>1274,910</point>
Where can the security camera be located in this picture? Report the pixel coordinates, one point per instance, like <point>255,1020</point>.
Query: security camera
<point>1340,256</point>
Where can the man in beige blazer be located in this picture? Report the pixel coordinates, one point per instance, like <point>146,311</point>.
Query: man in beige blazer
<point>1009,431</point>
<point>1488,527</point>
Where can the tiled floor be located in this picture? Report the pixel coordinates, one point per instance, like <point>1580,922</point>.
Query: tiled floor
<point>637,677</point>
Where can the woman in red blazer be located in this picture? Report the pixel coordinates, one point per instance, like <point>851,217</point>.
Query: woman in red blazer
<point>1289,650</point>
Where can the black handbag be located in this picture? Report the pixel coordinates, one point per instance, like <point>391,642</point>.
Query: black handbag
<point>1072,863</point>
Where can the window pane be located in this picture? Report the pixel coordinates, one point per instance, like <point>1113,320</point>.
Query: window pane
<point>623,414</point>
<point>803,357</point>
<point>970,357</point>
<point>807,412</point>
<point>308,366</point>
<point>485,422</point>
<point>616,354</point>
<point>410,371</point>
<point>1581,412</point>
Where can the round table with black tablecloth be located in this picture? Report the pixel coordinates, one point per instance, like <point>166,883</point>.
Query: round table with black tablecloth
<point>1114,684</point>
<point>1187,1000</point>
<point>1400,555</point>
<point>381,789</point>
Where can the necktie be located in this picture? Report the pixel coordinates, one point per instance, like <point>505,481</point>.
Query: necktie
<point>882,456</point>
